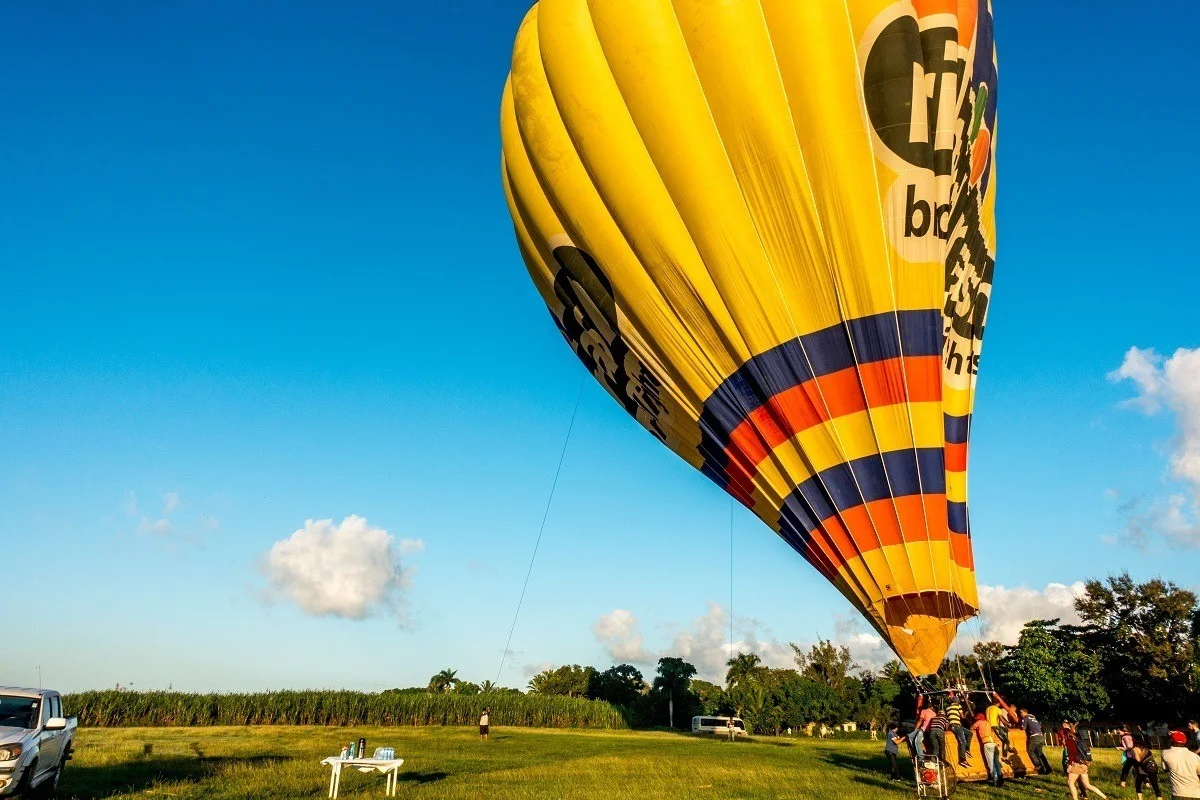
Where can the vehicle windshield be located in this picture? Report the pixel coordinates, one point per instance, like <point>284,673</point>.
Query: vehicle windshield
<point>18,712</point>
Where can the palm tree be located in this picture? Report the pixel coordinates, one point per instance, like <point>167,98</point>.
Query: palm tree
<point>487,686</point>
<point>443,681</point>
<point>674,677</point>
<point>742,668</point>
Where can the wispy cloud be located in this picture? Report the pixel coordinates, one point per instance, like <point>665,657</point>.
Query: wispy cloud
<point>158,527</point>
<point>129,506</point>
<point>1171,384</point>
<point>350,570</point>
<point>172,502</point>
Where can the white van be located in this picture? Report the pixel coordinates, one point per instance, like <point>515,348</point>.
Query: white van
<point>718,725</point>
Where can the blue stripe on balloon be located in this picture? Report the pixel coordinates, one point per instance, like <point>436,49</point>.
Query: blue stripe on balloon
<point>957,429</point>
<point>858,341</point>
<point>898,473</point>
<point>956,514</point>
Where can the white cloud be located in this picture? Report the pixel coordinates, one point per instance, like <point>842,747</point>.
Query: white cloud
<point>1005,611</point>
<point>350,570</point>
<point>129,507</point>
<point>172,501</point>
<point>1172,383</point>
<point>159,527</point>
<point>704,642</point>
<point>618,632</point>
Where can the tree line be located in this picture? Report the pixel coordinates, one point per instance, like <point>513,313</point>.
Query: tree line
<point>1133,657</point>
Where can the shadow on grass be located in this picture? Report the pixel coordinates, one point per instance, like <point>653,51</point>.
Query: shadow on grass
<point>82,782</point>
<point>870,769</point>
<point>422,777</point>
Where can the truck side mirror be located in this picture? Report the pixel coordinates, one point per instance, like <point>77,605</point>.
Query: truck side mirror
<point>55,724</point>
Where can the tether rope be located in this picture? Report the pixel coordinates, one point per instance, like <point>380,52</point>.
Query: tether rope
<point>541,528</point>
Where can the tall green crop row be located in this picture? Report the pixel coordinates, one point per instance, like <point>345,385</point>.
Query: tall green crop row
<point>114,709</point>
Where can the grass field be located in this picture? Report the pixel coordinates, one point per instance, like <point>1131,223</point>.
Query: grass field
<point>451,763</point>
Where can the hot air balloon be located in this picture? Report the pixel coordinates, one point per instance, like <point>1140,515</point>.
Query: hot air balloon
<point>768,229</point>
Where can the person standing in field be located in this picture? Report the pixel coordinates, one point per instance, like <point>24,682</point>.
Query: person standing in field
<point>1128,765</point>
<point>1078,756</point>
<point>1145,768</point>
<point>956,712</point>
<point>485,720</point>
<point>990,747</point>
<point>1182,766</point>
<point>891,748</point>
<point>730,729</point>
<point>1035,742</point>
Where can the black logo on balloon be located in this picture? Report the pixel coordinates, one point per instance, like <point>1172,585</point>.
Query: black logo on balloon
<point>932,105</point>
<point>910,85</point>
<point>589,322</point>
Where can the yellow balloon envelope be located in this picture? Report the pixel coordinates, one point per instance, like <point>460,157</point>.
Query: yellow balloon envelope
<point>767,227</point>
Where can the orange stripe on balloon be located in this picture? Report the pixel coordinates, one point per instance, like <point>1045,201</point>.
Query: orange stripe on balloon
<point>960,546</point>
<point>956,457</point>
<point>888,522</point>
<point>876,385</point>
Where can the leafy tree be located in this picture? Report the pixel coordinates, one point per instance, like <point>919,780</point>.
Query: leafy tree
<point>743,668</point>
<point>619,685</point>
<point>465,687</point>
<point>988,655</point>
<point>566,681</point>
<point>443,681</point>
<point>1053,671</point>
<point>879,695</point>
<point>673,679</point>
<point>487,687</point>
<point>804,700</point>
<point>1145,636</point>
<point>711,697</point>
<point>826,663</point>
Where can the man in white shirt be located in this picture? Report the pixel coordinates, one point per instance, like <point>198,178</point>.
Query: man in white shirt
<point>1183,767</point>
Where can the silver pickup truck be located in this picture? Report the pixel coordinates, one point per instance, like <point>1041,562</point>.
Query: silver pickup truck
<point>36,739</point>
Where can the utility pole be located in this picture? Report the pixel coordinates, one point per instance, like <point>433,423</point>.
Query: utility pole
<point>39,669</point>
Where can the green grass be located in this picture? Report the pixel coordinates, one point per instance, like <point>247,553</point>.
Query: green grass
<point>452,764</point>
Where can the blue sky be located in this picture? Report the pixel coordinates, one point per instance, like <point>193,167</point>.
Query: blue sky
<point>257,269</point>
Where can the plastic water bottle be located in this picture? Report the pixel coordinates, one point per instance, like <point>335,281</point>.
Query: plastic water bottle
<point>345,752</point>
<point>352,754</point>
<point>362,748</point>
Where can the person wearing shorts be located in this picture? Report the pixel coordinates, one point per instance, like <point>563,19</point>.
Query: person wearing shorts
<point>1078,756</point>
<point>484,721</point>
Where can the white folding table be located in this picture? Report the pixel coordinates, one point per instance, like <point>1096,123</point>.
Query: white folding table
<point>389,768</point>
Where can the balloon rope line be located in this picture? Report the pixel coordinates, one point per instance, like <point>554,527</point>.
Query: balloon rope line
<point>541,528</point>
<point>731,577</point>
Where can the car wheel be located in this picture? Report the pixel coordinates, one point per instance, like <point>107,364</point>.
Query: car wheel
<point>26,779</point>
<point>48,788</point>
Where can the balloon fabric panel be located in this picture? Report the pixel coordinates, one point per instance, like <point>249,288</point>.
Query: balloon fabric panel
<point>767,229</point>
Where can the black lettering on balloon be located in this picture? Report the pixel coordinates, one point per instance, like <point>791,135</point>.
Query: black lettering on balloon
<point>589,323</point>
